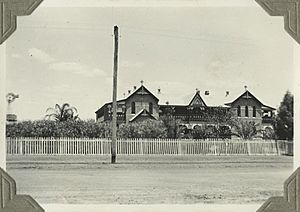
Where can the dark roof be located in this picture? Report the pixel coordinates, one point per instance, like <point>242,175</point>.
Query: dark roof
<point>250,94</point>
<point>108,103</point>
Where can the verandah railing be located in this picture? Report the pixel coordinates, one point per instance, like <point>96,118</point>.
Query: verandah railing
<point>86,146</point>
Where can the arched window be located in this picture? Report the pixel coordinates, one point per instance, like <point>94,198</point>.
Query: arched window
<point>254,111</point>
<point>238,111</point>
<point>133,107</point>
<point>246,111</point>
<point>150,107</point>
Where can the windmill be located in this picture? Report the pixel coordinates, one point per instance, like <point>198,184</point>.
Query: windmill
<point>10,116</point>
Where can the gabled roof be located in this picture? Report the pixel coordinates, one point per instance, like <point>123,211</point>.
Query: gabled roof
<point>141,90</point>
<point>143,112</point>
<point>197,100</point>
<point>248,94</point>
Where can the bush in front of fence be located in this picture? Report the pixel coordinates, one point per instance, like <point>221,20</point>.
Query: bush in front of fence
<point>93,129</point>
<point>145,129</point>
<point>47,128</point>
<point>85,129</point>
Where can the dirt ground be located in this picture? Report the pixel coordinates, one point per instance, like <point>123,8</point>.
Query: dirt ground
<point>150,179</point>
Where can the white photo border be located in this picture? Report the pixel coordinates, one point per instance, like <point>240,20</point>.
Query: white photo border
<point>157,3</point>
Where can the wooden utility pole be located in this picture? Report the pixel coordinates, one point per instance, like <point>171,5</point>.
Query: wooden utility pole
<point>114,115</point>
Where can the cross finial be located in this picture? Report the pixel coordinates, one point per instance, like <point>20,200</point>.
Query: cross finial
<point>246,87</point>
<point>142,82</point>
<point>197,90</point>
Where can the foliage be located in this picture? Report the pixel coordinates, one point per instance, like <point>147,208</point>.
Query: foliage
<point>246,130</point>
<point>220,116</point>
<point>208,131</point>
<point>85,129</point>
<point>284,126</point>
<point>269,133</point>
<point>69,128</point>
<point>171,124</point>
<point>144,129</point>
<point>62,113</point>
<point>198,132</point>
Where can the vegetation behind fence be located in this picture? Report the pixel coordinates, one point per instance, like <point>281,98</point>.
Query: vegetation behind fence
<point>87,146</point>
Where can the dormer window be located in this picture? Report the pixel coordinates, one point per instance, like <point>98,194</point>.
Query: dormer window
<point>132,107</point>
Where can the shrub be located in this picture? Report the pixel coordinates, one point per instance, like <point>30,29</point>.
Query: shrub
<point>47,128</point>
<point>144,129</point>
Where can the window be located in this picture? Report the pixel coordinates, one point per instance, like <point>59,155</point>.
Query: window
<point>150,107</point>
<point>133,107</point>
<point>238,110</point>
<point>254,111</point>
<point>246,111</point>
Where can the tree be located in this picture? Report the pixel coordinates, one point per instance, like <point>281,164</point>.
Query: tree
<point>269,133</point>
<point>284,126</point>
<point>62,113</point>
<point>172,124</point>
<point>220,117</point>
<point>246,130</point>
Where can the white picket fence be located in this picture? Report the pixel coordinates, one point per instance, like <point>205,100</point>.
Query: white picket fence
<point>86,146</point>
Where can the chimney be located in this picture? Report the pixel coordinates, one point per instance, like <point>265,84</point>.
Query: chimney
<point>134,88</point>
<point>158,91</point>
<point>129,91</point>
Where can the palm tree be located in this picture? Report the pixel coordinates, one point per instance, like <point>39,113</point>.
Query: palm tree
<point>246,130</point>
<point>62,113</point>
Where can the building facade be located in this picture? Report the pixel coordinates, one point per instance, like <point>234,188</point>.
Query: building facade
<point>141,104</point>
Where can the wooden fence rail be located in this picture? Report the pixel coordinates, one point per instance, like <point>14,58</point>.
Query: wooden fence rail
<point>86,146</point>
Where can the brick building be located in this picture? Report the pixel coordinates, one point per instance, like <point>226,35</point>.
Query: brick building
<point>141,104</point>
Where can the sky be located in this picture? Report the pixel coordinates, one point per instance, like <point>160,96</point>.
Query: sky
<point>60,55</point>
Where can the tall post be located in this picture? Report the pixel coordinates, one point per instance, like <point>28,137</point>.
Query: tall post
<point>114,115</point>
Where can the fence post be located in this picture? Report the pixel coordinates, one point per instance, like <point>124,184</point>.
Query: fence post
<point>277,147</point>
<point>248,147</point>
<point>179,147</point>
<point>141,146</point>
<point>21,147</point>
<point>215,147</point>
